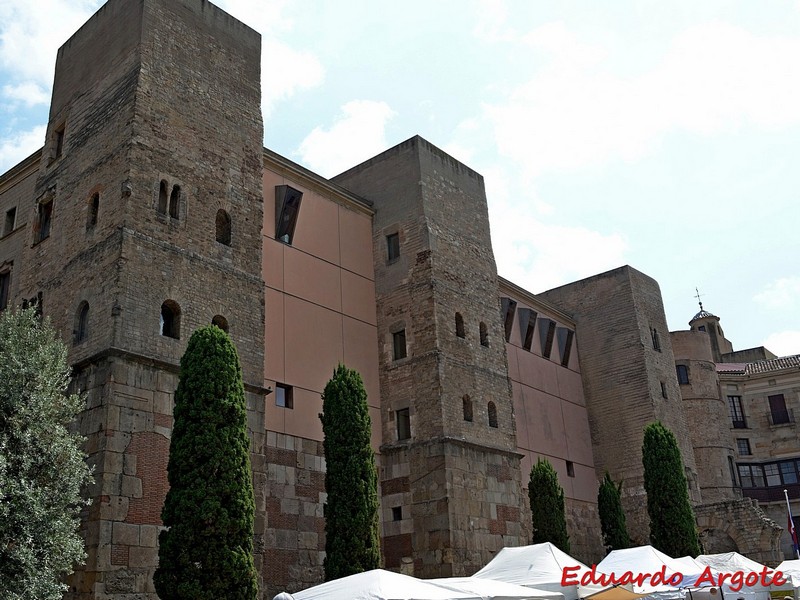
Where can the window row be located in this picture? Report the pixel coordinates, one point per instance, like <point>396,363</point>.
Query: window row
<point>549,332</point>
<point>491,411</point>
<point>778,413</point>
<point>483,331</point>
<point>784,472</point>
<point>170,320</point>
<point>170,203</point>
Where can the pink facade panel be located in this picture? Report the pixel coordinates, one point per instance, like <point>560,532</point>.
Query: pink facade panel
<point>361,354</point>
<point>570,386</point>
<point>579,440</point>
<point>317,231</point>
<point>355,240</point>
<point>303,419</point>
<point>274,352</point>
<point>538,372</point>
<point>273,263</point>
<point>313,343</point>
<point>312,279</point>
<point>358,298</point>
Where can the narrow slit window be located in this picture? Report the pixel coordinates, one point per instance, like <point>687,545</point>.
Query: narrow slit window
<point>403,424</point>
<point>223,226</point>
<point>5,286</point>
<point>392,247</point>
<point>94,209</point>
<point>170,320</point>
<point>466,403</point>
<point>175,202</point>
<point>548,336</point>
<point>163,197</point>
<point>10,222</point>
<point>565,338</point>
<point>491,409</point>
<point>287,209</point>
<point>656,340</point>
<point>44,220</point>
<point>570,469</point>
<point>460,326</point>
<point>509,307</point>
<point>484,335</point>
<point>81,332</point>
<point>399,349</point>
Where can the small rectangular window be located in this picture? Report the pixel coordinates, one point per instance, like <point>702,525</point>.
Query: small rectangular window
<point>403,424</point>
<point>743,446</point>
<point>287,209</point>
<point>5,285</point>
<point>10,222</point>
<point>284,395</point>
<point>570,469</point>
<point>43,220</point>
<point>399,344</point>
<point>736,412</point>
<point>683,374</point>
<point>788,472</point>
<point>397,513</point>
<point>58,141</point>
<point>656,340</point>
<point>777,409</point>
<point>773,474</point>
<point>392,247</point>
<point>663,390</point>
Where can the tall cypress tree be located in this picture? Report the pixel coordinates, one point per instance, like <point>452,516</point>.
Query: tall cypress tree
<point>206,552</point>
<point>672,522</point>
<point>612,517</point>
<point>547,506</point>
<point>352,544</point>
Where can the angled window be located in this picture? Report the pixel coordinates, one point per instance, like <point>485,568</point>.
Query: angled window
<point>527,326</point>
<point>284,395</point>
<point>220,322</point>
<point>656,340</point>
<point>683,374</point>
<point>736,412</point>
<point>509,307</point>
<point>491,409</point>
<point>460,326</point>
<point>94,209</point>
<point>399,344</point>
<point>403,424</point>
<point>163,197</point>
<point>5,287</point>
<point>484,335</point>
<point>565,337</point>
<point>743,446</point>
<point>778,415</point>
<point>547,333</point>
<point>10,222</point>
<point>287,208</point>
<point>81,331</point>
<point>44,218</point>
<point>466,404</point>
<point>392,247</point>
<point>175,202</point>
<point>223,226</point>
<point>170,325</point>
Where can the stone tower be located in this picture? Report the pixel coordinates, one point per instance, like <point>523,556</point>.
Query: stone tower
<point>706,322</point>
<point>449,468</point>
<point>628,372</point>
<point>147,217</point>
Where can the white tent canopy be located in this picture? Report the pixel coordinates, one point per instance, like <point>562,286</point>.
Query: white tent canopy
<point>791,571</point>
<point>539,566</point>
<point>495,590</point>
<point>381,585</point>
<point>733,562</point>
<point>648,560</point>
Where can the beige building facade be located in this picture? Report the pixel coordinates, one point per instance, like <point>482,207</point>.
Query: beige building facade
<point>153,209</point>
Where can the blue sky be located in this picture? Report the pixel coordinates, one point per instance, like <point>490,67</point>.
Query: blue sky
<point>664,135</point>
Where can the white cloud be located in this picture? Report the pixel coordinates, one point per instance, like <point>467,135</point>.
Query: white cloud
<point>781,294</point>
<point>20,145</point>
<point>576,112</point>
<point>29,94</point>
<point>783,343</point>
<point>356,135</point>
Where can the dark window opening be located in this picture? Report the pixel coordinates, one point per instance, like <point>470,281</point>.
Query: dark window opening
<point>284,395</point>
<point>403,424</point>
<point>656,340</point>
<point>220,322</point>
<point>743,446</point>
<point>683,374</point>
<point>11,217</point>
<point>732,471</point>
<point>287,208</point>
<point>397,513</point>
<point>736,412</point>
<point>399,344</point>
<point>94,209</point>
<point>5,285</point>
<point>223,225</point>
<point>59,141</point>
<point>491,409</point>
<point>81,331</point>
<point>509,307</point>
<point>484,335</point>
<point>460,326</point>
<point>663,390</point>
<point>44,220</point>
<point>701,328</point>
<point>171,319</point>
<point>37,303</point>
<point>527,343</point>
<point>777,410</point>
<point>162,197</point>
<point>570,469</point>
<point>549,336</point>
<point>565,337</point>
<point>392,247</point>
<point>466,403</point>
<point>175,202</point>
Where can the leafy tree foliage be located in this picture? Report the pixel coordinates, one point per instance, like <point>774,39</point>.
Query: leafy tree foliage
<point>672,522</point>
<point>42,467</point>
<point>612,517</point>
<point>207,551</point>
<point>351,513</point>
<point>547,506</point>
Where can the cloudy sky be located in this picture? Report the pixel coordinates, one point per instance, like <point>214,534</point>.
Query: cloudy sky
<point>660,134</point>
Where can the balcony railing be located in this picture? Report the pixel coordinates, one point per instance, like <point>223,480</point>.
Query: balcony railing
<point>740,424</point>
<point>773,494</point>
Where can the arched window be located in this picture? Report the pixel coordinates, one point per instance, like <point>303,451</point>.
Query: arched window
<point>459,325</point>
<point>175,202</point>
<point>492,409</point>
<point>467,404</point>
<point>484,335</point>
<point>223,227</point>
<point>220,322</point>
<point>94,209</point>
<point>81,331</point>
<point>171,319</point>
<point>162,197</point>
